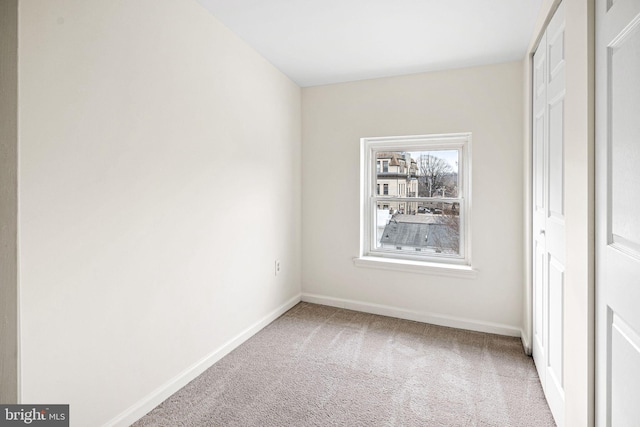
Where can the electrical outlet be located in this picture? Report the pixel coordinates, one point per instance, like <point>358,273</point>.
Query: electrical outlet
<point>277,267</point>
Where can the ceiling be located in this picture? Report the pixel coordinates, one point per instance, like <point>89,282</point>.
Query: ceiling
<point>318,42</point>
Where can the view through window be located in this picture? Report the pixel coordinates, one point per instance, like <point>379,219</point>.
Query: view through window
<point>421,214</point>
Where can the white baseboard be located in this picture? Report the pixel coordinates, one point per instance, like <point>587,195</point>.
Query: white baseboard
<point>418,316</point>
<point>525,343</point>
<point>144,406</point>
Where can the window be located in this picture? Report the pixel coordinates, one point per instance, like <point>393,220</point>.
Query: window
<point>429,224</point>
<point>385,166</point>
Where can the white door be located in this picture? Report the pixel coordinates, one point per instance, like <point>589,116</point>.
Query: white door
<point>549,212</point>
<point>618,212</point>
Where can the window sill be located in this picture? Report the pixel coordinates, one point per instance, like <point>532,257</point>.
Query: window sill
<point>407,266</point>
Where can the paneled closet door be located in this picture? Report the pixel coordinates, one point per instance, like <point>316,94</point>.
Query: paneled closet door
<point>618,213</point>
<point>549,213</point>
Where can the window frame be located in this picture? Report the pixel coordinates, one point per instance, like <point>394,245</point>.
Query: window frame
<point>369,254</point>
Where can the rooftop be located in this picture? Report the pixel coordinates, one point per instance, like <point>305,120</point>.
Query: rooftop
<point>418,235</point>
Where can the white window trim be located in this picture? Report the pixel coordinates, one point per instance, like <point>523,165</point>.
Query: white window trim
<point>410,266</point>
<point>457,267</point>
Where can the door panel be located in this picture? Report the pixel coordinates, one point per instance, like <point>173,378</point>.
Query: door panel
<point>538,153</point>
<point>556,159</point>
<point>617,212</point>
<point>625,373</point>
<point>624,65</point>
<point>556,52</point>
<point>539,209</point>
<point>549,213</point>
<point>556,315</point>
<point>539,309</point>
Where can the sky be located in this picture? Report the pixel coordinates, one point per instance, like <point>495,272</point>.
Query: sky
<point>450,156</point>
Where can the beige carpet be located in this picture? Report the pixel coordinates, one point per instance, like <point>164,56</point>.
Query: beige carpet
<point>322,366</point>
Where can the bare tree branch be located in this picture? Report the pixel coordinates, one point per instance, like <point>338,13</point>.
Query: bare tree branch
<point>435,174</point>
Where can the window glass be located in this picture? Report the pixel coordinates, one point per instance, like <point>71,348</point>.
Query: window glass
<point>421,213</point>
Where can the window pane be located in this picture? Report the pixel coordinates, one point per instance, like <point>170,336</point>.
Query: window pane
<point>437,173</point>
<point>434,228</point>
<point>431,173</point>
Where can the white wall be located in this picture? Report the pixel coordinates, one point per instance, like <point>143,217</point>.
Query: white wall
<point>487,101</point>
<point>579,324</point>
<point>159,177</point>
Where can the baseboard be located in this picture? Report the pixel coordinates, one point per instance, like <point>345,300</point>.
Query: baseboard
<point>144,406</point>
<point>418,316</point>
<point>526,345</point>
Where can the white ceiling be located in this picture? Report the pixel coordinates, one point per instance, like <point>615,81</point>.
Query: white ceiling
<point>317,42</point>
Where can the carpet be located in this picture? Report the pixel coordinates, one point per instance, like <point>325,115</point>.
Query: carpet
<point>325,366</point>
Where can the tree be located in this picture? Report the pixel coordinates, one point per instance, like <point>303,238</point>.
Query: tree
<point>448,238</point>
<point>434,175</point>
